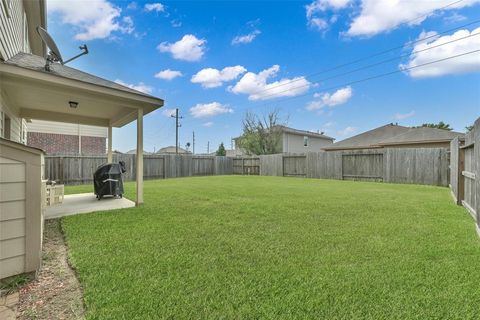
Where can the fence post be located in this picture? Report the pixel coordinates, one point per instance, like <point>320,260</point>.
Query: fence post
<point>476,159</point>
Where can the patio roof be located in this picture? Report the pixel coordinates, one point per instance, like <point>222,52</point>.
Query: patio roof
<point>45,95</point>
<point>35,93</point>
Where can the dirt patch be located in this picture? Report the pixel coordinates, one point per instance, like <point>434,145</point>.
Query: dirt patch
<point>56,293</point>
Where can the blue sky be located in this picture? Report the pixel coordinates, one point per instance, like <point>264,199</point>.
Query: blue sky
<point>221,59</point>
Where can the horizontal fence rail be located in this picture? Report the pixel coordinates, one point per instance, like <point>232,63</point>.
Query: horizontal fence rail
<point>465,172</point>
<point>395,165</point>
<point>80,169</point>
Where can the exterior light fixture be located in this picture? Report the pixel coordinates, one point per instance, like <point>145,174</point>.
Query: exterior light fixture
<point>73,104</point>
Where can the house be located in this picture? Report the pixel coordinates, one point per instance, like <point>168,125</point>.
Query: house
<point>134,151</point>
<point>30,91</point>
<point>172,150</point>
<point>67,138</point>
<point>296,141</point>
<point>396,136</point>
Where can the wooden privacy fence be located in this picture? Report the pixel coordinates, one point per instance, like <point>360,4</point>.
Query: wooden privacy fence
<point>395,165</point>
<point>80,169</point>
<point>465,172</point>
<point>247,166</point>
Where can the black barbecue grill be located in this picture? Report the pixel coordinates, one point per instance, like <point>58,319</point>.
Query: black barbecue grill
<point>108,181</point>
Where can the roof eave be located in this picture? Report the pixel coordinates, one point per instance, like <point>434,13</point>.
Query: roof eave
<point>64,81</point>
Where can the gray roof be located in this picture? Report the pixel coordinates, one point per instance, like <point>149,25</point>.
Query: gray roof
<point>305,133</point>
<point>37,63</point>
<point>369,139</point>
<point>171,149</point>
<point>134,151</point>
<point>422,135</point>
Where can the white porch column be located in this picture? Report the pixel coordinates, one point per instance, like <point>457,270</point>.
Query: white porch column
<point>109,152</point>
<point>139,200</point>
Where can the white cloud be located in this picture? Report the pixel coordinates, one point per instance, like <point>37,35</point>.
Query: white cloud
<point>158,7</point>
<point>212,78</point>
<point>132,5</point>
<point>340,96</point>
<point>168,112</point>
<point>315,12</point>
<point>247,38</point>
<point>382,16</point>
<point>208,124</point>
<point>454,17</point>
<point>176,23</point>
<point>189,48</point>
<point>92,19</point>
<point>347,131</point>
<point>257,88</point>
<point>209,109</point>
<point>402,116</point>
<point>463,64</point>
<point>142,87</point>
<point>168,74</point>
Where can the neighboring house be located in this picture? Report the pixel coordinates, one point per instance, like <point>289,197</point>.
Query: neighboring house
<point>392,135</point>
<point>67,138</point>
<point>134,151</point>
<point>296,141</point>
<point>172,150</point>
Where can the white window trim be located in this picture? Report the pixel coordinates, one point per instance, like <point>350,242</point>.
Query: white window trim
<point>305,141</point>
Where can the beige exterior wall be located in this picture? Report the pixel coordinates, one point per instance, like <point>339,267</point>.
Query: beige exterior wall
<point>21,217</point>
<point>11,125</point>
<point>294,143</point>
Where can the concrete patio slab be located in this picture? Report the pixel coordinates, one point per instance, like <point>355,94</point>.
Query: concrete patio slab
<point>84,203</point>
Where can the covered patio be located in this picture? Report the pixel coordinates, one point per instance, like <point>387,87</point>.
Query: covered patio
<point>66,94</point>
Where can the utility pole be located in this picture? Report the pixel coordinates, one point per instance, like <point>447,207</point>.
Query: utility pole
<point>177,125</point>
<point>208,147</point>
<point>193,142</point>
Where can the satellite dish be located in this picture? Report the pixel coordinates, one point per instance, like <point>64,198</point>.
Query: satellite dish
<point>48,40</point>
<point>54,55</point>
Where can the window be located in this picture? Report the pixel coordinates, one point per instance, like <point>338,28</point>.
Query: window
<point>305,141</point>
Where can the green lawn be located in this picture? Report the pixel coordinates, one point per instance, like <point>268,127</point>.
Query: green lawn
<point>238,247</point>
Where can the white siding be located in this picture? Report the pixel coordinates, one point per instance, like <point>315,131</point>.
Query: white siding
<point>16,122</point>
<point>294,143</point>
<point>12,217</point>
<point>13,37</point>
<point>67,128</point>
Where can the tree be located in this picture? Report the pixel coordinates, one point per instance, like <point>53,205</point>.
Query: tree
<point>221,150</point>
<point>469,128</point>
<point>261,135</point>
<point>441,125</point>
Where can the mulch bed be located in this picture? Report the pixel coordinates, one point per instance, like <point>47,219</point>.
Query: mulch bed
<point>56,292</point>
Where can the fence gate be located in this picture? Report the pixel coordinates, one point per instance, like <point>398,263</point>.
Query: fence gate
<point>246,166</point>
<point>362,166</point>
<point>203,166</point>
<point>294,166</point>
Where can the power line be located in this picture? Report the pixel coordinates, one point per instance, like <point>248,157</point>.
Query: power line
<point>177,125</point>
<point>382,75</point>
<point>367,57</point>
<point>377,64</point>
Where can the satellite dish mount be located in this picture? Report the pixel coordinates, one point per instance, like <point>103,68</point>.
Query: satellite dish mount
<point>54,54</point>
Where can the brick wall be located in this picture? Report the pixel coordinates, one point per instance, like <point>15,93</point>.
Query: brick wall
<point>53,143</point>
